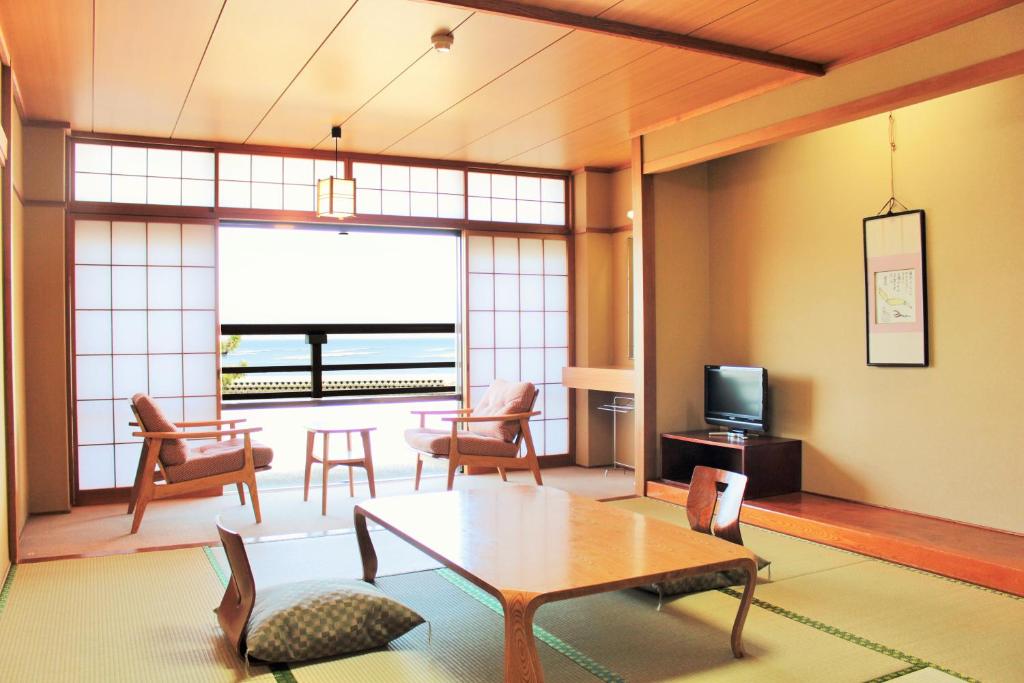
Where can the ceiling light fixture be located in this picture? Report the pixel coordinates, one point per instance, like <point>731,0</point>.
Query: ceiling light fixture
<point>442,41</point>
<point>335,195</point>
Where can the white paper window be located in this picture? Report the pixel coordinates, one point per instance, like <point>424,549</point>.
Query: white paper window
<point>505,198</point>
<point>145,321</point>
<point>143,175</point>
<point>419,191</point>
<point>518,328</point>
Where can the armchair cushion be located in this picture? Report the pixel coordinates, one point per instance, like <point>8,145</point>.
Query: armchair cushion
<point>503,398</point>
<point>172,451</point>
<point>316,618</point>
<point>438,442</point>
<point>217,458</point>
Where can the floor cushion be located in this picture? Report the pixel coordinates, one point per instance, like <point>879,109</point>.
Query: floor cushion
<point>703,582</point>
<point>316,618</point>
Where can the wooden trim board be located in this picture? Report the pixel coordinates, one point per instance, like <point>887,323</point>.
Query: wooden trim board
<point>986,557</point>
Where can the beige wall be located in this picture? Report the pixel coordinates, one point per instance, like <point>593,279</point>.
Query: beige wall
<point>787,292</point>
<point>43,253</point>
<point>681,283</point>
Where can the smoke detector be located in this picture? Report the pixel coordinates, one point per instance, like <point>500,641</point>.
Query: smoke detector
<point>442,41</point>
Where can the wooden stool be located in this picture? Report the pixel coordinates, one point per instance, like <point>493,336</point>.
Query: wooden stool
<point>365,460</point>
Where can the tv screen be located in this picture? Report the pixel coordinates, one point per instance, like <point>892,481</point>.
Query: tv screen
<point>734,397</point>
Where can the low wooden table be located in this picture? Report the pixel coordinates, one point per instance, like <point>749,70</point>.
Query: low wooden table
<point>350,458</point>
<point>529,545</point>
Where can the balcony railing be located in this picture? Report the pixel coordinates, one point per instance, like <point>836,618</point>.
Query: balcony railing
<point>241,380</point>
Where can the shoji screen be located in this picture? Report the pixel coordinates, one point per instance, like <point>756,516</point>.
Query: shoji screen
<point>145,320</point>
<point>518,324</point>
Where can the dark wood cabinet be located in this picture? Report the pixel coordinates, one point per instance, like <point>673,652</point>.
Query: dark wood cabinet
<point>772,464</point>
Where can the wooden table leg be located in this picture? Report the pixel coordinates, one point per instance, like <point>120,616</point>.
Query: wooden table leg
<point>327,468</point>
<point>522,663</point>
<point>368,463</point>
<point>366,551</point>
<point>309,463</point>
<point>741,615</point>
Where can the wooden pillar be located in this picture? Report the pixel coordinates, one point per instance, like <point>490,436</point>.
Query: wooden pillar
<point>645,436</point>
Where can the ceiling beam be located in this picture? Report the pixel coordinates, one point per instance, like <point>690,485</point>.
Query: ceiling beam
<point>582,22</point>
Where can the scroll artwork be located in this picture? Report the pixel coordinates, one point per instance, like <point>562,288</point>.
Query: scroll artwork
<point>896,289</point>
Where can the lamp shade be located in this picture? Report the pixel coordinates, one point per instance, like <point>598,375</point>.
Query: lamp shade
<point>335,197</point>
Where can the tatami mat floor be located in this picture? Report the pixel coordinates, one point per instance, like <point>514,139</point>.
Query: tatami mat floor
<point>104,529</point>
<point>825,615</point>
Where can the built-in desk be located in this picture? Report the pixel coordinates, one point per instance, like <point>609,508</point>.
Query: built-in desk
<point>616,380</point>
<point>602,396</point>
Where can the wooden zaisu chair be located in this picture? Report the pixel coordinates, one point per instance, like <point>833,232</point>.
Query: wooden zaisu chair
<point>496,430</point>
<point>166,457</point>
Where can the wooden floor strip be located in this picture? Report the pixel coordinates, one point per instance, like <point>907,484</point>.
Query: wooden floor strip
<point>986,557</point>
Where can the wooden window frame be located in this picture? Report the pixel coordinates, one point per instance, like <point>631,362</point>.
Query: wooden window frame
<point>274,215</point>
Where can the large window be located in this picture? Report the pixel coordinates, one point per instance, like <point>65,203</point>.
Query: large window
<point>309,313</point>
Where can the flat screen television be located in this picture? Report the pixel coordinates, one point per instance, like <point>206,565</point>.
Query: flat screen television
<point>736,397</point>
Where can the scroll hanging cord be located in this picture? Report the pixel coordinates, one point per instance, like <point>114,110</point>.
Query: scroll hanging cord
<point>891,202</point>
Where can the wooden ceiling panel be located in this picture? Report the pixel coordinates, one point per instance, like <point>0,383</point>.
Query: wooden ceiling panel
<point>661,71</point>
<point>486,46</point>
<point>579,59</point>
<point>257,49</point>
<point>375,43</point>
<point>887,26</point>
<point>683,18</point>
<point>599,144</point>
<point>566,66</point>
<point>146,55</point>
<point>51,53</point>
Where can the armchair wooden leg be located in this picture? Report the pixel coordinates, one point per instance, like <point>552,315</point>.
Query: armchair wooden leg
<point>535,468</point>
<point>351,483</point>
<point>419,471</point>
<point>145,493</point>
<point>501,473</point>
<point>137,486</point>
<point>453,464</point>
<point>309,464</point>
<point>241,493</point>
<point>255,497</point>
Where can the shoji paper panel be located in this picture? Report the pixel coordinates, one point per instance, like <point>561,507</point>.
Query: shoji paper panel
<point>518,325</point>
<point>145,321</point>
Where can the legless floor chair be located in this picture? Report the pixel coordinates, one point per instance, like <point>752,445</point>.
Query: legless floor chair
<point>166,457</point>
<point>496,431</point>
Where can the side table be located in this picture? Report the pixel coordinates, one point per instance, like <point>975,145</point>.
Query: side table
<point>349,458</point>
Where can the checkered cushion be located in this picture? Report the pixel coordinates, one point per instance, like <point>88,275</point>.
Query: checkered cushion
<point>217,458</point>
<point>438,442</point>
<point>703,582</point>
<point>316,618</point>
<point>172,451</point>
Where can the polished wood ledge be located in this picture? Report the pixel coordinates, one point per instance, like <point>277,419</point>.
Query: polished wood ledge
<point>987,557</point>
<point>615,379</point>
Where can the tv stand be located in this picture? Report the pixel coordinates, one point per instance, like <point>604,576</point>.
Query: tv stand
<point>772,464</point>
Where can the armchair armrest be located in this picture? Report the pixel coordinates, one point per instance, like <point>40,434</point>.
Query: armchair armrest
<point>491,418</point>
<point>207,423</point>
<point>197,435</point>
<point>441,412</point>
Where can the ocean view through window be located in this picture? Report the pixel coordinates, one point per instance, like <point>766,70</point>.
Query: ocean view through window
<point>312,315</point>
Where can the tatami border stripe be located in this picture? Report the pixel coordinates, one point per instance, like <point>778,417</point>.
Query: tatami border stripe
<point>849,637</point>
<point>5,592</point>
<point>546,637</point>
<point>281,672</point>
<point>897,674</point>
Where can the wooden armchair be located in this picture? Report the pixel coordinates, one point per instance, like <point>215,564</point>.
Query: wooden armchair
<point>495,432</point>
<point>166,457</point>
